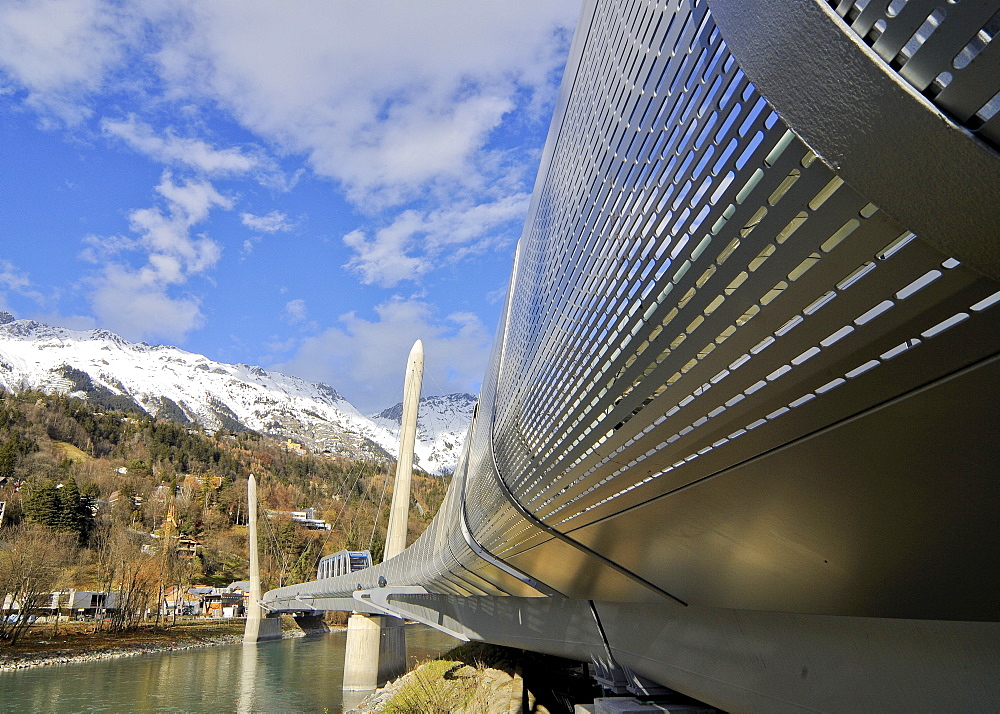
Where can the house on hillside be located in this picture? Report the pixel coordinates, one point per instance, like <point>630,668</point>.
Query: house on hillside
<point>117,495</point>
<point>293,447</point>
<point>84,604</point>
<point>186,547</point>
<point>305,518</point>
<point>308,519</point>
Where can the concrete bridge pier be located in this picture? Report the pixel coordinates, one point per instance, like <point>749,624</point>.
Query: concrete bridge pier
<point>260,628</point>
<point>376,651</point>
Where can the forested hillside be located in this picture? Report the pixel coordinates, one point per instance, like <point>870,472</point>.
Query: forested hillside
<point>91,494</point>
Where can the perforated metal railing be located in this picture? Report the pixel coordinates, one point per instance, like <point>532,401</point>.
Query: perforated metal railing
<point>694,287</point>
<point>941,47</point>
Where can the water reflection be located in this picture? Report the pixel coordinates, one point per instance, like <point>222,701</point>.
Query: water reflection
<point>295,675</point>
<point>248,676</point>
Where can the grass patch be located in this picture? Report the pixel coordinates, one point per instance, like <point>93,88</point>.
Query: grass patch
<point>68,451</point>
<point>473,677</point>
<point>481,654</point>
<point>438,687</point>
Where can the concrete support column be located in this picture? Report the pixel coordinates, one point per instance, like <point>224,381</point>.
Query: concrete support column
<point>376,651</point>
<point>257,628</point>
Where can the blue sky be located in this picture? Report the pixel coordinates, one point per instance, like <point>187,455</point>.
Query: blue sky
<point>307,186</point>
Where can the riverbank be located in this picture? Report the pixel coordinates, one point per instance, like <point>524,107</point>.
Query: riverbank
<point>79,642</point>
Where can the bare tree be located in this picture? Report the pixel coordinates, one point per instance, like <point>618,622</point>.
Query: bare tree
<point>32,562</point>
<point>129,575</point>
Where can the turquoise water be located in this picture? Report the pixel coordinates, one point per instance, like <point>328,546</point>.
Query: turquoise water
<point>302,674</point>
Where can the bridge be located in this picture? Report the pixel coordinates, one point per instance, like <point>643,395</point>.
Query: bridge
<point>738,432</point>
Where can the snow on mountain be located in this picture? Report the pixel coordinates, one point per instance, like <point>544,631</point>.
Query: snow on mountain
<point>442,423</point>
<point>170,382</point>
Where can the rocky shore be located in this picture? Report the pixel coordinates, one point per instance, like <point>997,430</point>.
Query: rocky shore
<point>12,661</point>
<point>43,646</point>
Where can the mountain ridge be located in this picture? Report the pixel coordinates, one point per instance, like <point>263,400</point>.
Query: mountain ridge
<point>170,382</point>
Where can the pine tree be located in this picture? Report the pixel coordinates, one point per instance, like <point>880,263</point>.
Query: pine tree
<point>41,503</point>
<point>62,509</point>
<point>12,449</point>
<point>69,499</point>
<point>75,514</point>
<point>8,460</point>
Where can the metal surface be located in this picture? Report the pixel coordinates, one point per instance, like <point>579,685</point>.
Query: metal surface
<point>878,114</point>
<point>737,410</point>
<point>742,660</point>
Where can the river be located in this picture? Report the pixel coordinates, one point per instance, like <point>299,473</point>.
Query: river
<point>301,674</point>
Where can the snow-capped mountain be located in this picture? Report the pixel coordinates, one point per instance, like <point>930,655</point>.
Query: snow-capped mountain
<point>441,423</point>
<point>170,382</point>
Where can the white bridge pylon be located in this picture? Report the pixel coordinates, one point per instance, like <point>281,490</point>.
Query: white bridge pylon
<point>399,513</point>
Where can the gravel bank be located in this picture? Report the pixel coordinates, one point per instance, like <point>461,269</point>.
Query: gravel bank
<point>42,647</point>
<point>19,660</point>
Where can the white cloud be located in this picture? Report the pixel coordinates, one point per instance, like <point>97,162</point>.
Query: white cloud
<point>136,302</point>
<point>61,50</point>
<point>397,102</point>
<point>388,98</point>
<point>414,110</point>
<point>272,222</point>
<point>71,322</point>
<point>383,259</point>
<point>295,310</point>
<point>136,305</point>
<point>11,278</point>
<point>15,280</point>
<point>415,242</point>
<point>279,346</point>
<point>365,359</point>
<point>172,149</point>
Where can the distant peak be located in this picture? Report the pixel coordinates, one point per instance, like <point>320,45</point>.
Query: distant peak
<point>393,413</point>
<point>457,400</point>
<point>23,328</point>
<point>6,317</point>
<point>101,334</point>
<point>329,391</point>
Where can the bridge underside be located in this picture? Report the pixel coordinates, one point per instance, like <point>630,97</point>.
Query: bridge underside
<point>749,659</point>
